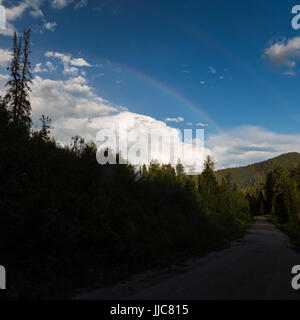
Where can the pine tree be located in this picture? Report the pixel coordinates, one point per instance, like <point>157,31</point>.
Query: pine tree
<point>208,184</point>
<point>13,94</point>
<point>46,127</point>
<point>17,97</point>
<point>24,109</point>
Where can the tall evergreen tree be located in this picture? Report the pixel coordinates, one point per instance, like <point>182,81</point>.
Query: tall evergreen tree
<point>208,184</point>
<point>46,127</point>
<point>17,97</point>
<point>13,94</point>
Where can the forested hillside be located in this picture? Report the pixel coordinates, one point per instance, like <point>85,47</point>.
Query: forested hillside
<point>255,174</point>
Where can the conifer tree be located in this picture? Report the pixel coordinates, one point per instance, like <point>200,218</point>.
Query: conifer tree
<point>208,184</point>
<point>46,127</point>
<point>17,97</point>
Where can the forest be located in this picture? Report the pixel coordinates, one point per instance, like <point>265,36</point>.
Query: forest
<point>278,197</point>
<point>67,222</point>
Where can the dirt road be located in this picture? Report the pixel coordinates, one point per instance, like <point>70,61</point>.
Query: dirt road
<point>256,267</point>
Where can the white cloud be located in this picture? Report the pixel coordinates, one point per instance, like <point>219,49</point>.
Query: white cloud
<point>5,57</point>
<point>212,70</point>
<point>200,124</point>
<point>16,11</point>
<point>50,26</point>
<point>63,99</point>
<point>68,63</point>
<point>284,54</point>
<point>79,63</point>
<point>179,119</point>
<point>39,68</point>
<point>249,144</point>
<point>202,82</point>
<point>89,127</point>
<point>38,13</point>
<point>60,4</point>
<point>34,7</point>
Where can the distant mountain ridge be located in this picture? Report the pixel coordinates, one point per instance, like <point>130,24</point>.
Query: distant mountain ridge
<point>252,175</point>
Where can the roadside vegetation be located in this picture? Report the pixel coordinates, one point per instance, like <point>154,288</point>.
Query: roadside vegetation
<point>292,231</point>
<point>279,199</point>
<point>66,222</point>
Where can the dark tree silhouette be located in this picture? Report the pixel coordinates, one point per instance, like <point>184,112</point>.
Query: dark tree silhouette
<point>17,97</point>
<point>46,128</point>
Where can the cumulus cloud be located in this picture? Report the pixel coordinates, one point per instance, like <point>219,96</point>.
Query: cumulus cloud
<point>64,99</point>
<point>143,126</point>
<point>70,65</point>
<point>284,54</point>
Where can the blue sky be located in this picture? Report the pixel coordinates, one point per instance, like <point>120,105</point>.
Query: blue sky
<point>231,65</point>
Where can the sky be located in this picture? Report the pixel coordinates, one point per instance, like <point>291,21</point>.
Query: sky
<point>228,67</point>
